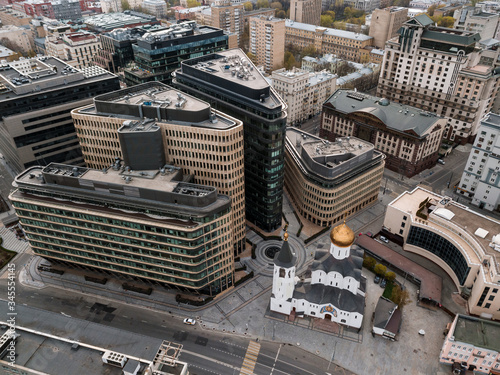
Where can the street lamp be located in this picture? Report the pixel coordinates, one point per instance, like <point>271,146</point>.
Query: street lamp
<point>333,356</point>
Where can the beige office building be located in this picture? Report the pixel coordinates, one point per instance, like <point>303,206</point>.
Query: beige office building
<point>329,181</point>
<point>464,243</point>
<point>345,44</point>
<point>267,41</point>
<point>19,38</point>
<point>304,92</point>
<point>385,24</point>
<point>205,143</point>
<point>306,11</point>
<point>9,16</point>
<point>77,49</point>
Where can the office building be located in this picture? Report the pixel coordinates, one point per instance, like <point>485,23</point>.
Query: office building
<point>306,11</point>
<point>474,19</point>
<point>76,49</point>
<point>157,55</point>
<point>334,288</point>
<point>385,24</point>
<point>267,41</point>
<point>464,243</point>
<point>67,9</point>
<point>158,8</point>
<point>101,23</point>
<point>472,344</point>
<point>481,177</point>
<point>36,98</point>
<point>304,92</point>
<point>410,138</point>
<point>228,16</point>
<point>347,45</point>
<point>205,144</point>
<point>424,68</point>
<point>19,38</point>
<point>329,181</point>
<point>231,83</point>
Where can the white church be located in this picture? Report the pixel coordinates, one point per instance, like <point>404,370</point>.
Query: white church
<point>332,288</point>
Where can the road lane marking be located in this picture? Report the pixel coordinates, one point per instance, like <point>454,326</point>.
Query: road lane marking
<point>250,358</point>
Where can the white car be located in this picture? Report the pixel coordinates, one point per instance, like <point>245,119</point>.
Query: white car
<point>383,239</point>
<point>190,321</point>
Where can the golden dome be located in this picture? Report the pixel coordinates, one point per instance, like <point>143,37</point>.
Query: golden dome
<point>342,235</point>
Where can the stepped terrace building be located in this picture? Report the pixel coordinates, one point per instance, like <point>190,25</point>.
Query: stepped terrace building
<point>329,181</point>
<point>464,243</point>
<point>141,224</point>
<point>36,98</point>
<point>408,136</point>
<point>229,81</point>
<point>167,126</point>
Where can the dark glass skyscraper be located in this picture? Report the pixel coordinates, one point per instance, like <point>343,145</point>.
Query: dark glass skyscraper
<point>230,82</point>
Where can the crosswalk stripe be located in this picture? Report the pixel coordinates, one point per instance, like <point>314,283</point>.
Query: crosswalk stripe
<point>250,358</point>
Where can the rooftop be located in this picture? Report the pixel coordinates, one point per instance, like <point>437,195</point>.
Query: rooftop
<point>478,332</point>
<point>109,21</point>
<point>32,76</point>
<point>398,117</point>
<point>327,31</point>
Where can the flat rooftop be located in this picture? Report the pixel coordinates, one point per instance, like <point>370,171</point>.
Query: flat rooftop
<point>327,31</point>
<point>478,332</point>
<point>109,21</point>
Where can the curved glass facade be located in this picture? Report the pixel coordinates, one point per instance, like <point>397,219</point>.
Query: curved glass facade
<point>442,248</point>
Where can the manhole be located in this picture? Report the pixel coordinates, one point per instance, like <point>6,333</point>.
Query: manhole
<point>271,251</point>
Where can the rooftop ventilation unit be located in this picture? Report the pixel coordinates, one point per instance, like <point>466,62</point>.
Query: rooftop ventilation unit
<point>114,359</point>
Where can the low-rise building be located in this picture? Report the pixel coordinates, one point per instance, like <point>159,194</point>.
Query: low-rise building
<point>102,23</point>
<point>9,16</point>
<point>67,9</point>
<point>367,6</point>
<point>329,181</point>
<point>472,344</point>
<point>157,8</point>
<point>304,92</point>
<point>481,177</point>
<point>409,137</point>
<point>476,20</point>
<point>77,49</point>
<point>386,319</point>
<point>464,243</point>
<point>18,38</point>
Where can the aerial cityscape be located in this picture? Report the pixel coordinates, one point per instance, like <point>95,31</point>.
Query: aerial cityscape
<point>289,187</point>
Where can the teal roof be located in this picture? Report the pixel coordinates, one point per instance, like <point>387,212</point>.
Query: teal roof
<point>461,39</point>
<point>423,19</point>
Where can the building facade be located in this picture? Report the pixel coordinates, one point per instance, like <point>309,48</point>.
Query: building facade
<point>267,41</point>
<point>157,55</point>
<point>9,16</point>
<point>76,49</point>
<point>472,344</point>
<point>481,177</point>
<point>347,45</point>
<point>385,24</point>
<point>228,16</point>
<point>304,92</point>
<point>462,242</point>
<point>19,38</point>
<point>330,181</point>
<point>231,83</point>
<point>441,71</point>
<point>67,9</point>
<point>147,225</point>
<point>476,20</point>
<point>158,8</point>
<point>36,98</point>
<point>335,289</point>
<point>306,11</point>
<point>204,143</point>
<point>410,138</point>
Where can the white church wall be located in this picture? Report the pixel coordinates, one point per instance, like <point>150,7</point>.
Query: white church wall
<point>339,252</point>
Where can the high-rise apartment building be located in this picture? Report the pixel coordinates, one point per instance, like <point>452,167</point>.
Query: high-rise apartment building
<point>158,54</point>
<point>304,92</point>
<point>442,71</point>
<point>267,41</point>
<point>231,83</point>
<point>306,11</point>
<point>330,181</point>
<point>228,16</point>
<point>36,98</point>
<point>410,138</point>
<point>141,224</point>
<point>481,178</point>
<point>385,24</point>
<point>189,134</point>
<point>76,49</point>
<point>347,45</point>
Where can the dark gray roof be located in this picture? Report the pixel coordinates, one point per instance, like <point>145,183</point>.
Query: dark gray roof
<point>395,116</point>
<point>383,312</point>
<point>424,20</point>
<point>284,258</point>
<point>351,266</point>
<point>320,294</point>
<point>460,39</point>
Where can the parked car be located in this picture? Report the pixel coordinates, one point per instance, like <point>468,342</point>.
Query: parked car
<point>383,283</point>
<point>369,234</point>
<point>383,239</point>
<point>441,161</point>
<point>376,280</point>
<point>190,321</point>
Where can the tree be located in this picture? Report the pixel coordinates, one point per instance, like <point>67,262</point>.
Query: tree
<point>380,270</point>
<point>290,61</point>
<point>262,4</point>
<point>276,5</point>
<point>330,13</point>
<point>310,50</point>
<point>447,22</point>
<point>326,20</point>
<point>193,3</point>
<point>125,5</point>
<point>400,296</point>
<point>248,6</point>
<point>252,57</point>
<point>431,9</point>
<point>390,276</point>
<point>369,263</point>
<point>339,25</point>
<point>281,14</point>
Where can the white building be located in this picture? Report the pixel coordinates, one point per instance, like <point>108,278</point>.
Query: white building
<point>303,91</point>
<point>474,19</point>
<point>481,178</point>
<point>77,49</point>
<point>157,8</point>
<point>335,289</point>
